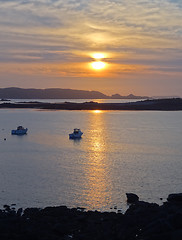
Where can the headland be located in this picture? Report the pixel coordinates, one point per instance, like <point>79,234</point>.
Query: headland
<point>171,104</point>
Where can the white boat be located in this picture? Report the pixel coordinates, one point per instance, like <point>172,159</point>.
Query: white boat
<point>19,131</point>
<point>76,133</point>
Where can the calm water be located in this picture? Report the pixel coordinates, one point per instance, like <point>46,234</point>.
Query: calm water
<point>77,100</point>
<point>121,151</point>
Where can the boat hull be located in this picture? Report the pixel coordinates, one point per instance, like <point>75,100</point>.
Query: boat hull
<point>75,136</point>
<point>19,132</point>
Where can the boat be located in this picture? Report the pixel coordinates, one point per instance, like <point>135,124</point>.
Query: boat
<point>19,131</point>
<point>77,133</point>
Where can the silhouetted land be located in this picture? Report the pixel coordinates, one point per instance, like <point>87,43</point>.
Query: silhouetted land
<point>172,104</point>
<point>59,93</point>
<point>142,221</point>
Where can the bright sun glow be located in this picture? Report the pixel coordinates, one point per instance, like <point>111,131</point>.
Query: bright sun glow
<point>98,56</point>
<point>98,65</point>
<point>97,111</point>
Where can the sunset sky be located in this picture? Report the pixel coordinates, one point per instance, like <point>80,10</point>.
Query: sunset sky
<point>113,46</point>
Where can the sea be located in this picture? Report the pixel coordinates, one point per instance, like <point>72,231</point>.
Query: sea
<point>120,152</point>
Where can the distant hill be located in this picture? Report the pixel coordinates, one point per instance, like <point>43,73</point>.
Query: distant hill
<point>130,96</point>
<point>58,93</point>
<point>50,93</point>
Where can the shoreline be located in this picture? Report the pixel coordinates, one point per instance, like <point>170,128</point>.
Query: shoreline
<point>142,221</point>
<point>173,104</point>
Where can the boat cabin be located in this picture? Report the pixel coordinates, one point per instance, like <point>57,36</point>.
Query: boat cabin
<point>76,130</point>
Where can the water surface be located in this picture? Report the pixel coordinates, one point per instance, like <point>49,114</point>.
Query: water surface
<point>121,151</point>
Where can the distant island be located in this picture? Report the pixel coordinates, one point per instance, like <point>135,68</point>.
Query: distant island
<point>59,93</point>
<point>171,104</point>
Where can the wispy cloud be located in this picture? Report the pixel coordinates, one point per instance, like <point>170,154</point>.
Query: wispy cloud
<point>146,33</point>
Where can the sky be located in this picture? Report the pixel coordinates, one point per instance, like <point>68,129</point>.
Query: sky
<point>112,46</point>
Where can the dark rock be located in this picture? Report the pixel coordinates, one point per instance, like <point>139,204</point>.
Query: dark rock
<point>156,227</point>
<point>176,220</point>
<point>6,207</point>
<point>80,209</point>
<point>175,197</point>
<point>176,235</point>
<point>132,198</point>
<point>142,221</point>
<point>142,208</point>
<point>55,211</point>
<point>31,212</point>
<point>19,212</point>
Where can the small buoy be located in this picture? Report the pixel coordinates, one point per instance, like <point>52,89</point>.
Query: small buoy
<point>4,139</point>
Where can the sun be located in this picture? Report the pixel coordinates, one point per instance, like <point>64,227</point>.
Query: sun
<point>98,56</point>
<point>98,65</point>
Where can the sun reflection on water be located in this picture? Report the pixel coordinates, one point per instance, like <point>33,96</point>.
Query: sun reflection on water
<point>97,169</point>
<point>97,111</point>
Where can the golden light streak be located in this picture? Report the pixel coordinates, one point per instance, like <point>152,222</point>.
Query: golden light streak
<point>97,111</point>
<point>98,180</point>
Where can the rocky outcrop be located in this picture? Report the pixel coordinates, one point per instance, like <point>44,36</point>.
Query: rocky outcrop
<point>142,221</point>
<point>132,198</point>
<point>175,197</point>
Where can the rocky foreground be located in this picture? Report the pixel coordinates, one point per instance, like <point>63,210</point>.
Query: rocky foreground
<point>172,104</point>
<point>144,221</point>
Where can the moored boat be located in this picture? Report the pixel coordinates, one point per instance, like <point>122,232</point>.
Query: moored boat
<point>19,131</point>
<point>77,133</point>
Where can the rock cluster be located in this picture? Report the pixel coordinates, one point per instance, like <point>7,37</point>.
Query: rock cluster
<point>142,220</point>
